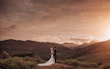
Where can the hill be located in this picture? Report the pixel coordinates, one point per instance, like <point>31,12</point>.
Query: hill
<point>75,46</point>
<point>42,49</point>
<point>95,52</point>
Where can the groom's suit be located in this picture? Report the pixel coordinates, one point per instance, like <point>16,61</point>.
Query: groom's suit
<point>55,54</point>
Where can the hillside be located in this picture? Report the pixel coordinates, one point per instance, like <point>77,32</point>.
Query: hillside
<point>95,52</point>
<point>95,55</point>
<point>16,47</point>
<point>75,45</point>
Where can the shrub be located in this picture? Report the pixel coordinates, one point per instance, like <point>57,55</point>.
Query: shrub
<point>77,63</point>
<point>69,62</point>
<point>16,63</point>
<point>106,67</point>
<point>89,65</point>
<point>74,63</point>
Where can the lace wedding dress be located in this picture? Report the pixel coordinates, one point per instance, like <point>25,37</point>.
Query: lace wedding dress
<point>50,61</point>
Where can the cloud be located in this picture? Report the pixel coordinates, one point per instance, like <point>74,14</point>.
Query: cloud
<point>62,39</point>
<point>12,27</point>
<point>51,17</point>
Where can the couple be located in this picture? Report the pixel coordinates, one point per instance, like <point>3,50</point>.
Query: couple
<point>52,59</point>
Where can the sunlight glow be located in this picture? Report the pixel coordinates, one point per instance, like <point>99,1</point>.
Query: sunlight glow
<point>107,34</point>
<point>106,29</point>
<point>106,37</point>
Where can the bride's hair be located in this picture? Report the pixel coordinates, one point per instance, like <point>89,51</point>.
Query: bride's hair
<point>51,50</point>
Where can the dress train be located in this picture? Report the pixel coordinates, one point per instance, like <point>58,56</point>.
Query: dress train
<point>50,61</point>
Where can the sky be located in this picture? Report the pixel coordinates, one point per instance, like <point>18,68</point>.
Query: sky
<point>55,20</point>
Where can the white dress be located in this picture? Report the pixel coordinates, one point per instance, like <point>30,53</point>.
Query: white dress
<point>50,61</point>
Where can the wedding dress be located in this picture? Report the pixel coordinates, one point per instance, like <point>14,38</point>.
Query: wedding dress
<point>50,61</point>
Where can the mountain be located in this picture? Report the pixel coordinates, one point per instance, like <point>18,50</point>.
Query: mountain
<point>94,52</point>
<point>16,47</point>
<point>70,45</point>
<point>75,45</point>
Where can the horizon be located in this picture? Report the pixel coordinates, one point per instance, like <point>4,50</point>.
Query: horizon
<point>77,42</point>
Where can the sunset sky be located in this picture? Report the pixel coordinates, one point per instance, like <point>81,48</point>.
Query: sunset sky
<point>54,20</point>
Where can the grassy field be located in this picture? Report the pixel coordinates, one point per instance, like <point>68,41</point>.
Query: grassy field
<point>31,63</point>
<point>19,63</point>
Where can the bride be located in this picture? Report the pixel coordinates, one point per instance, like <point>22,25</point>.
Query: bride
<point>51,60</point>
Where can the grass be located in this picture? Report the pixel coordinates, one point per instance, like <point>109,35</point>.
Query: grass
<point>77,63</point>
<point>18,63</point>
<point>31,62</point>
<point>106,66</point>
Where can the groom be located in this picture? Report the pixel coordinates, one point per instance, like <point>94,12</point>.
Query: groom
<point>55,53</point>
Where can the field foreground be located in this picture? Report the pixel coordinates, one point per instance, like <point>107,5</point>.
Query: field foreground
<point>61,66</point>
<point>55,66</point>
